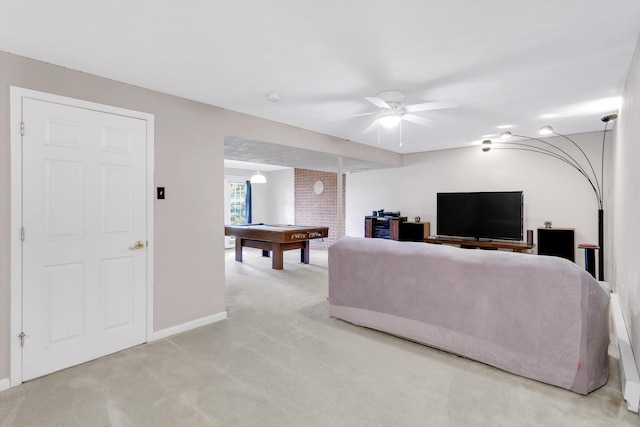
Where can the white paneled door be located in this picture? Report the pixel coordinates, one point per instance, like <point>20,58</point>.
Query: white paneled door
<point>84,218</point>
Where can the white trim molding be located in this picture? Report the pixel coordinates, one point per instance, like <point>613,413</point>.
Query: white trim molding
<point>628,369</point>
<point>15,322</point>
<point>164,333</point>
<point>5,384</point>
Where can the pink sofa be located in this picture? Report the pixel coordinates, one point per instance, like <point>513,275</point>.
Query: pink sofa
<point>540,317</point>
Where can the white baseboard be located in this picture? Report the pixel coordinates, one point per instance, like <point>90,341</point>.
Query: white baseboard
<point>5,384</point>
<point>628,369</point>
<point>164,333</point>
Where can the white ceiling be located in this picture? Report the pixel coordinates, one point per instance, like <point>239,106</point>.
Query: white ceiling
<point>519,63</point>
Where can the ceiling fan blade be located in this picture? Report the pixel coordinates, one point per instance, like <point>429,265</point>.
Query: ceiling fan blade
<point>436,105</point>
<point>372,126</point>
<point>377,102</point>
<point>422,121</point>
<point>359,115</point>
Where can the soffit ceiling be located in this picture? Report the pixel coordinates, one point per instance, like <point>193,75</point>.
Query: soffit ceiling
<point>258,154</point>
<point>518,63</point>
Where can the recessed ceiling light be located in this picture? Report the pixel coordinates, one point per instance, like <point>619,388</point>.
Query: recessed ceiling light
<point>273,97</point>
<point>505,135</point>
<point>505,126</point>
<point>546,130</point>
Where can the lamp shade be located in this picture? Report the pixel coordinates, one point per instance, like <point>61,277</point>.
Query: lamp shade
<point>258,178</point>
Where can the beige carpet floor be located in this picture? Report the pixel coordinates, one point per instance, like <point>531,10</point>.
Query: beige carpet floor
<point>280,360</point>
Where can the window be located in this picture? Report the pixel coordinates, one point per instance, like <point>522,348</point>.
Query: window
<point>237,203</point>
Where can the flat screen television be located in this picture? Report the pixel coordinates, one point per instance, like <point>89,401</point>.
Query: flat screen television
<point>481,215</point>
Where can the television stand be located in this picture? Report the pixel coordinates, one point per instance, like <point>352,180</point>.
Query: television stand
<point>483,244</point>
<point>395,228</point>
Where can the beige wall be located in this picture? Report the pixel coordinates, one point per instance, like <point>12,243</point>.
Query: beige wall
<point>189,256</point>
<point>273,201</point>
<point>626,205</point>
<point>187,142</point>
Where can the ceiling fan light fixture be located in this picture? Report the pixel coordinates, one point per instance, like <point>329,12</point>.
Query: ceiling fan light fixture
<point>390,121</point>
<point>258,178</point>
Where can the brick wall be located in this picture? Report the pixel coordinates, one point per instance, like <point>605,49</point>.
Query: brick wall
<point>318,209</point>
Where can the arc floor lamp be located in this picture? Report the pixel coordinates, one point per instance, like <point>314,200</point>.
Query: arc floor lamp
<point>586,170</point>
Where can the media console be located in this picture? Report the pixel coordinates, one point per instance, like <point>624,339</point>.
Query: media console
<point>484,244</point>
<point>395,228</point>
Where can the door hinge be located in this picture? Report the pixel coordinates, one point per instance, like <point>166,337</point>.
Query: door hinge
<point>22,128</point>
<point>22,336</point>
<point>22,234</point>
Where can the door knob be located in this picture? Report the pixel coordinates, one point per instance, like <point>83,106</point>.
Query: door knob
<point>137,245</point>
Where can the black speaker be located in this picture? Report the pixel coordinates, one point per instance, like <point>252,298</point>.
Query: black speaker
<point>557,242</point>
<point>529,237</point>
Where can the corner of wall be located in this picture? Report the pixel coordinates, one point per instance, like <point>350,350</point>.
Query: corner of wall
<point>164,333</point>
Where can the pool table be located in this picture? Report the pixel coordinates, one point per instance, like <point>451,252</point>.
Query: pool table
<point>276,239</point>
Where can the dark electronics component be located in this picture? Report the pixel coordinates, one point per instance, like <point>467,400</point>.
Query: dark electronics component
<point>381,225</point>
<point>381,229</point>
<point>481,215</point>
<point>382,213</point>
<point>557,242</point>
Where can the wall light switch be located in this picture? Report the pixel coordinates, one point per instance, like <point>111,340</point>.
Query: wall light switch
<point>160,193</point>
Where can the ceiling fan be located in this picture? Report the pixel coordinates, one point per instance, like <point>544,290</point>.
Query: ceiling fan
<point>393,109</point>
